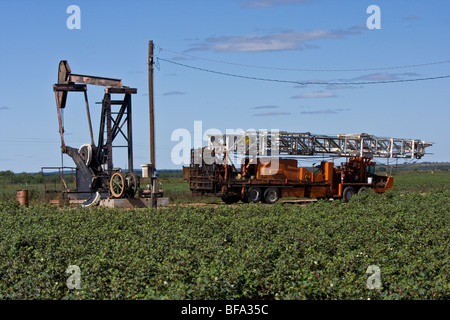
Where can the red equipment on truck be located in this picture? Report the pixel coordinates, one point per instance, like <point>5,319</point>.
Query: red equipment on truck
<point>269,169</point>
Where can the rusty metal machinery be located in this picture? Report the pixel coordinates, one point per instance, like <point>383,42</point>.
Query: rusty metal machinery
<point>96,177</point>
<point>261,166</point>
<point>341,145</point>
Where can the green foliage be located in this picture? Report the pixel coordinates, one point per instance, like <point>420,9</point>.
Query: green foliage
<point>422,181</point>
<point>41,187</point>
<point>281,251</point>
<point>177,190</point>
<point>9,177</point>
<point>170,174</point>
<point>420,166</point>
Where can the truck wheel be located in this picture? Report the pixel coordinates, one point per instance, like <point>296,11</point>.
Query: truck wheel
<point>254,194</point>
<point>271,195</point>
<point>230,199</point>
<point>348,193</point>
<point>363,190</point>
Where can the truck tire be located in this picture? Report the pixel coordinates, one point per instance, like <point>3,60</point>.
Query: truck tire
<point>348,193</point>
<point>254,194</point>
<point>271,195</point>
<point>363,190</point>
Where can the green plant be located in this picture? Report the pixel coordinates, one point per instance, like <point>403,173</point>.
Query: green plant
<point>250,251</point>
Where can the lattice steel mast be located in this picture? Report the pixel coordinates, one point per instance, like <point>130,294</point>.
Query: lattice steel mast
<point>264,143</point>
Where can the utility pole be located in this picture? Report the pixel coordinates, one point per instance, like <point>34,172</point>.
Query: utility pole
<point>151,104</point>
<point>154,183</point>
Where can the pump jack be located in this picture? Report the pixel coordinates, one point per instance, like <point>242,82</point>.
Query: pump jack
<point>96,176</point>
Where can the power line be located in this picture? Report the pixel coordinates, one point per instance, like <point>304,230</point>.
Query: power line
<point>305,69</point>
<point>302,82</point>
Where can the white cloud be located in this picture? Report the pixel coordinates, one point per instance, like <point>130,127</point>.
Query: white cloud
<point>341,87</point>
<point>270,3</point>
<point>269,114</point>
<point>173,93</point>
<point>411,17</point>
<point>310,82</point>
<point>266,107</point>
<point>314,95</point>
<point>385,76</point>
<point>181,58</point>
<point>286,40</point>
<point>324,111</point>
<point>352,83</point>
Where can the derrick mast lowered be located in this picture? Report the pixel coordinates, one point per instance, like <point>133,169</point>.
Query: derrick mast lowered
<point>268,167</point>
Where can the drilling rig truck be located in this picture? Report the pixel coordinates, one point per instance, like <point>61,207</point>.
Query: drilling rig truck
<point>269,168</point>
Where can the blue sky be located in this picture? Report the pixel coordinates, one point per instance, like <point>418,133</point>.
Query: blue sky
<point>257,38</point>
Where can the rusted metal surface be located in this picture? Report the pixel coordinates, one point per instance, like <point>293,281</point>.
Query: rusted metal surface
<point>95,169</point>
<point>342,145</point>
<point>63,71</point>
<point>121,90</point>
<point>91,133</point>
<point>65,87</point>
<point>288,180</point>
<point>65,76</point>
<point>98,81</point>
<point>22,197</point>
<point>64,187</point>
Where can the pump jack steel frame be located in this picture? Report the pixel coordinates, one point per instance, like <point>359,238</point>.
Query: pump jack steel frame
<point>94,163</point>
